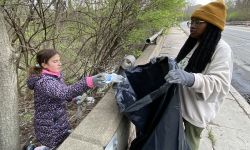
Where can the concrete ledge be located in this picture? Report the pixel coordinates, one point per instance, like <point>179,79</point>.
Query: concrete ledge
<point>99,126</point>
<point>74,144</point>
<point>101,123</point>
<point>241,101</point>
<point>104,127</point>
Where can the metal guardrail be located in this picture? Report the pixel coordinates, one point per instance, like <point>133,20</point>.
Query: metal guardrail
<point>152,39</point>
<point>246,23</point>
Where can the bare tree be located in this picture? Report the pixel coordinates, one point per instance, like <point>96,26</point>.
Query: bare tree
<point>239,10</point>
<point>9,127</point>
<point>91,35</point>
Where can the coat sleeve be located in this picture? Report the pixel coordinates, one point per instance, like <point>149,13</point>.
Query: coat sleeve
<point>59,90</point>
<point>215,82</point>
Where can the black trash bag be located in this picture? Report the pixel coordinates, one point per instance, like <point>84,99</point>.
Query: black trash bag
<point>141,80</point>
<point>153,106</point>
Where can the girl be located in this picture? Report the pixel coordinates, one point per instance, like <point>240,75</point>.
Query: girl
<point>50,95</point>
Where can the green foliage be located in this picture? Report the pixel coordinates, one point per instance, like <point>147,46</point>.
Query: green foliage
<point>137,35</point>
<point>238,10</point>
<point>2,2</point>
<point>232,16</point>
<point>91,37</point>
<point>238,16</point>
<point>137,53</point>
<point>157,15</point>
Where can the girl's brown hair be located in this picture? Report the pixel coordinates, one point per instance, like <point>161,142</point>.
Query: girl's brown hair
<point>42,56</point>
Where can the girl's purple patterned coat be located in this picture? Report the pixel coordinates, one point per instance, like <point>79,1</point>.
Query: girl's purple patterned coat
<point>50,95</point>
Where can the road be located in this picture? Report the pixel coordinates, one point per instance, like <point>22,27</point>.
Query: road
<point>238,38</point>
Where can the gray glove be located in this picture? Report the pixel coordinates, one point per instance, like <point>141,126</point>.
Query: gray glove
<point>179,76</point>
<point>78,100</point>
<point>172,64</point>
<point>99,80</point>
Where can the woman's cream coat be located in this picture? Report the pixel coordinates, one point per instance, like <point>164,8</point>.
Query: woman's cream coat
<point>201,102</point>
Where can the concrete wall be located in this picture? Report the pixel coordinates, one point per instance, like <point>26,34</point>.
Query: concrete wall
<point>104,127</point>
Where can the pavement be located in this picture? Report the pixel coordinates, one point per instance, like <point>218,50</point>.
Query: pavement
<point>231,128</point>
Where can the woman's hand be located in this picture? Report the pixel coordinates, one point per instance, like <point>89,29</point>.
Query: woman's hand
<point>179,76</point>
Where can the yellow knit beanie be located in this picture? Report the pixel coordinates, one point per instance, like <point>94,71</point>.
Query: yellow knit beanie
<point>214,13</point>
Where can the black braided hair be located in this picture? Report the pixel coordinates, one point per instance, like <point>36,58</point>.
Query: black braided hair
<point>204,52</point>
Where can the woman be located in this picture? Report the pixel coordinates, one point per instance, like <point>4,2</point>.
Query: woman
<point>206,79</point>
<point>50,95</point>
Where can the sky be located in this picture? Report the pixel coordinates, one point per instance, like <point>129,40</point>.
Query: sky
<point>203,2</point>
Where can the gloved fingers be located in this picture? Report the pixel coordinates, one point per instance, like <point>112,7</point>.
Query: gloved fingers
<point>100,76</point>
<point>77,98</point>
<point>172,76</point>
<point>173,73</point>
<point>169,78</point>
<point>100,84</point>
<point>175,81</point>
<point>100,80</point>
<point>172,64</point>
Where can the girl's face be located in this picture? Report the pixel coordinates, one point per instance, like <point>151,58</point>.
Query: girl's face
<point>54,64</point>
<point>197,28</point>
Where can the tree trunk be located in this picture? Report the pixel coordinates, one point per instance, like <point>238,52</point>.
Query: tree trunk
<point>9,128</point>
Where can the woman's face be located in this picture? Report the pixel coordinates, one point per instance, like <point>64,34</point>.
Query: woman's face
<point>197,27</point>
<point>54,64</point>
